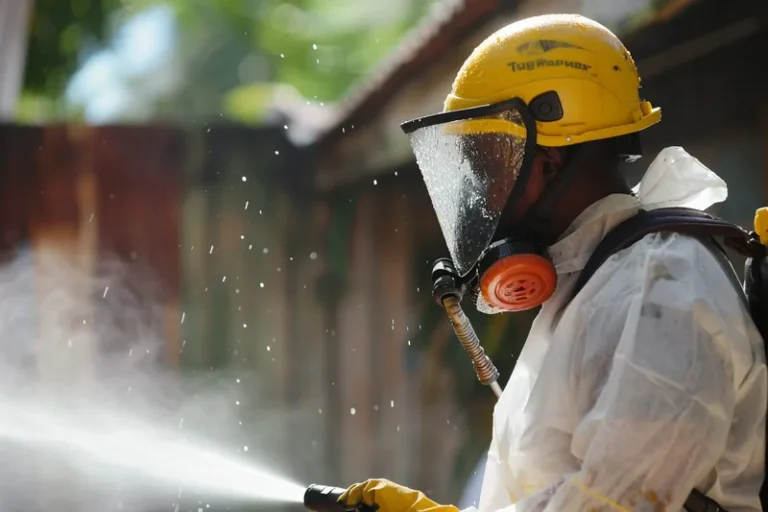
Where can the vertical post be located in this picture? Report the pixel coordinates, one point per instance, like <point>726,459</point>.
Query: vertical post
<point>63,248</point>
<point>14,28</point>
<point>354,380</point>
<point>391,335</point>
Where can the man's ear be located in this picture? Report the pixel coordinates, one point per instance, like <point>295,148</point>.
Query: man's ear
<point>552,161</point>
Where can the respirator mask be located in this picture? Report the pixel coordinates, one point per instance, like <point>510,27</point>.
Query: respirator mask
<point>475,164</point>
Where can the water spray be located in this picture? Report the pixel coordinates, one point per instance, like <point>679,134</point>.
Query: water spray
<point>448,290</point>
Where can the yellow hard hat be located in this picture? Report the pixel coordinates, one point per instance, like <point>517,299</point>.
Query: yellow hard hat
<point>585,74</point>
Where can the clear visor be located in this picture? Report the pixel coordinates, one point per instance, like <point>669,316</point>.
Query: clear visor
<point>470,168</point>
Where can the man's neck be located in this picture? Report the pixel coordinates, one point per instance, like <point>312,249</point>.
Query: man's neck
<point>585,192</point>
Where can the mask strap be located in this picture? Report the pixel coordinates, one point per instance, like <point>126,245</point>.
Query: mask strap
<point>525,168</point>
<point>537,220</point>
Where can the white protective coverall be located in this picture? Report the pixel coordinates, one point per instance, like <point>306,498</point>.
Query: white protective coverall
<point>653,380</point>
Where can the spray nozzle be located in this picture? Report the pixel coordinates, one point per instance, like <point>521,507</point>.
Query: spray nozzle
<point>324,498</point>
<point>448,289</point>
<point>446,281</point>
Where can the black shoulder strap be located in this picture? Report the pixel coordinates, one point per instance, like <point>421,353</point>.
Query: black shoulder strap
<point>674,220</point>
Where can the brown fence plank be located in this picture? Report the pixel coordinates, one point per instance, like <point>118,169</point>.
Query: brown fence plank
<point>139,187</point>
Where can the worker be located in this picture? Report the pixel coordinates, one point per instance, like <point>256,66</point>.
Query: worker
<point>651,381</point>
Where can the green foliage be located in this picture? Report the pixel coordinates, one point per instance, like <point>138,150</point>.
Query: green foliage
<point>319,47</point>
<point>60,30</point>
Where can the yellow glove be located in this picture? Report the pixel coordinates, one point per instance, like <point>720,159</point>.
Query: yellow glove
<point>385,496</point>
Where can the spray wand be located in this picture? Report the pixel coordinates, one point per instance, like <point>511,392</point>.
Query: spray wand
<point>448,290</point>
<point>323,498</point>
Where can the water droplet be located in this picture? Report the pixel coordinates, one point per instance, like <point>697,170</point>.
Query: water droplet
<point>245,448</point>
<point>211,251</point>
<point>183,315</point>
<point>265,250</point>
<point>237,380</point>
<point>319,411</point>
<point>285,127</point>
<point>314,47</point>
<point>269,349</point>
<point>313,255</point>
<point>245,179</point>
<point>261,285</point>
<point>282,56</point>
<point>375,407</point>
<point>375,182</point>
<point>352,411</point>
<point>392,403</point>
<point>245,326</point>
<point>242,237</point>
<point>69,343</point>
<point>237,402</point>
<point>277,152</point>
<point>395,173</point>
<point>246,205</point>
<point>224,279</point>
<point>105,292</point>
<point>409,343</point>
<point>250,247</point>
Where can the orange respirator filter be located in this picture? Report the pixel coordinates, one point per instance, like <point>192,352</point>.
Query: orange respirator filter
<point>516,276</point>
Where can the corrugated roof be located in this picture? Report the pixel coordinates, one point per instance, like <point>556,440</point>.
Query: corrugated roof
<point>449,22</point>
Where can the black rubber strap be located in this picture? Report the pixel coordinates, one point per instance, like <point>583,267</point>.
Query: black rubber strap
<point>699,502</point>
<point>673,220</point>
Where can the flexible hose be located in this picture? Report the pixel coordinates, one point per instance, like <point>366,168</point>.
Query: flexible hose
<point>484,368</point>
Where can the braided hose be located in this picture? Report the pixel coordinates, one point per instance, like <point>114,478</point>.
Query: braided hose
<point>484,368</point>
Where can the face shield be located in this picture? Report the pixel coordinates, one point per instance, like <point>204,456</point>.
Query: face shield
<point>474,163</point>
